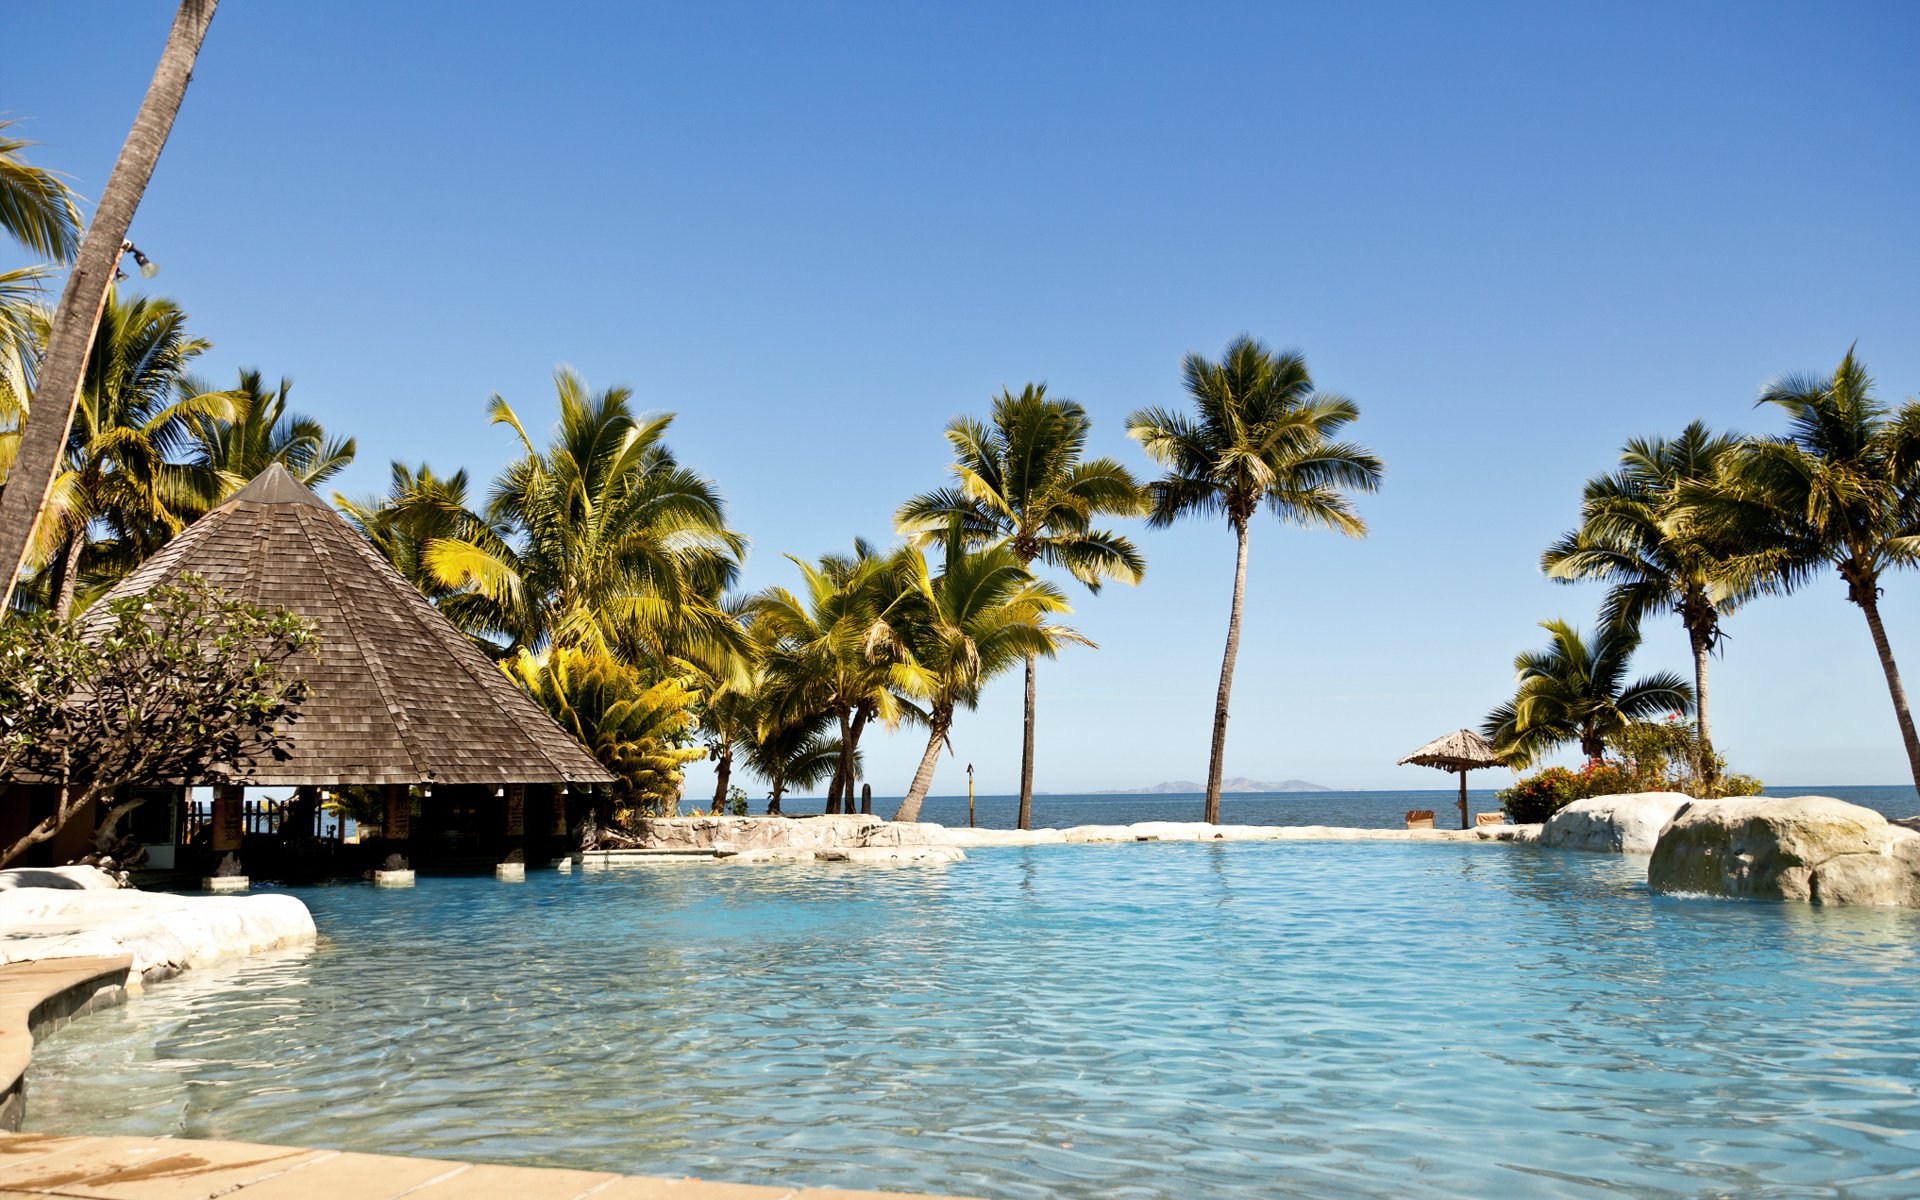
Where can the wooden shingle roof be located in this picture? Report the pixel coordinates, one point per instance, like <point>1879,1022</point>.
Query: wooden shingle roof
<point>398,696</point>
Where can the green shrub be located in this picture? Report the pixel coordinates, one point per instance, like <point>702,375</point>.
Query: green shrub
<point>1653,756</point>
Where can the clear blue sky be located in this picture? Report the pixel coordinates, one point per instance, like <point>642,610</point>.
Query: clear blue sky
<point>1514,234</point>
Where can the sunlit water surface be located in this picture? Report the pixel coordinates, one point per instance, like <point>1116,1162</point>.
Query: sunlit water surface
<point>1142,1020</point>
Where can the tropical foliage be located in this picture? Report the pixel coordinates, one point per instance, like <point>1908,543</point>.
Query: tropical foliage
<point>256,432</point>
<point>958,629</point>
<point>1839,491</point>
<point>1638,533</point>
<point>1022,480</point>
<point>164,686</point>
<point>641,732</point>
<point>1575,691</point>
<point>600,541</point>
<point>1260,434</point>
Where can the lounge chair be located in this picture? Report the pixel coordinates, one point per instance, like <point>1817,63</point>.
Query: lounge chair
<point>1420,818</point>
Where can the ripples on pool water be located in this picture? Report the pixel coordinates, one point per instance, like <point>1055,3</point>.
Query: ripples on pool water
<point>1161,1020</point>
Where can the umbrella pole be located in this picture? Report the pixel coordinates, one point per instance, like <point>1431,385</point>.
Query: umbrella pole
<point>1463,797</point>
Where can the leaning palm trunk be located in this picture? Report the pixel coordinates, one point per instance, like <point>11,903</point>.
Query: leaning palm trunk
<point>69,574</point>
<point>1870,605</point>
<point>43,435</point>
<point>1702,647</point>
<point>722,776</point>
<point>1026,751</point>
<point>909,809</point>
<point>1216,763</point>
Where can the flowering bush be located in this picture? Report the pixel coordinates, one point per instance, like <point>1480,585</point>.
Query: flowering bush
<point>1653,756</point>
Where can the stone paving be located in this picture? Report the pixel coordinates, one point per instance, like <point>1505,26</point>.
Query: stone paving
<point>132,1168</point>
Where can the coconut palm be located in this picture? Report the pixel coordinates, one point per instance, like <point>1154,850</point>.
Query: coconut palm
<point>829,650</point>
<point>225,454</point>
<point>956,631</point>
<point>1575,691</point>
<point>1020,479</point>
<point>43,435</point>
<point>1637,533</point>
<point>602,541</point>
<point>1840,489</point>
<point>1260,434</point>
<point>791,754</point>
<point>130,422</point>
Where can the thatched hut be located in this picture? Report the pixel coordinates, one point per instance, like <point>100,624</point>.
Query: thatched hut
<point>400,700</point>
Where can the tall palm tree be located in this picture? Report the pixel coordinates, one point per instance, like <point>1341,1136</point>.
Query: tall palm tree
<point>1637,533</point>
<point>601,541</point>
<point>1260,434</point>
<point>1021,479</point>
<point>1840,489</point>
<point>226,454</point>
<point>828,650</point>
<point>43,434</point>
<point>130,422</point>
<point>982,614</point>
<point>1575,691</point>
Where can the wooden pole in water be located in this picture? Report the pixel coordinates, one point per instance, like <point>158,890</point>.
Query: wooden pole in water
<point>969,795</point>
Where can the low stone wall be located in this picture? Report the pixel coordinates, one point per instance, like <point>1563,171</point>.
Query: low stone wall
<point>763,839</point>
<point>1807,848</point>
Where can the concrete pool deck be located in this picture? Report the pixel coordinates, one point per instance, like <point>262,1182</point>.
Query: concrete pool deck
<point>38,997</point>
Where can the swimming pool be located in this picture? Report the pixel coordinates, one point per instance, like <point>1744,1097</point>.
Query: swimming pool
<point>1141,1021</point>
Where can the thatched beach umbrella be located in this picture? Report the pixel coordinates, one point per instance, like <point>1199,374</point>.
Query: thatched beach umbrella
<point>1462,750</point>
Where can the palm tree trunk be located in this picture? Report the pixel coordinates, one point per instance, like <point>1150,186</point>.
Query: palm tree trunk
<point>909,809</point>
<point>69,574</point>
<point>1869,603</point>
<point>722,776</point>
<point>842,800</point>
<point>43,434</point>
<point>1703,742</point>
<point>1217,761</point>
<point>1026,752</point>
<point>852,746</point>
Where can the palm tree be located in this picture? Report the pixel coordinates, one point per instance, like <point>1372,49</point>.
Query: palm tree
<point>38,211</point>
<point>129,424</point>
<point>1260,434</point>
<point>602,541</point>
<point>1637,533</point>
<point>43,435</point>
<point>789,754</point>
<point>1575,691</point>
<point>982,614</point>
<point>1842,489</point>
<point>1021,480</point>
<point>226,454</point>
<point>36,208</point>
<point>828,650</point>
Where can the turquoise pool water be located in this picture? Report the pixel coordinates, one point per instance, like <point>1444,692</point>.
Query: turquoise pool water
<point>1137,1021</point>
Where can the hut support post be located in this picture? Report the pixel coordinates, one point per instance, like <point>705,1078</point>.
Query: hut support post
<point>398,825</point>
<point>228,799</point>
<point>1463,798</point>
<point>513,865</point>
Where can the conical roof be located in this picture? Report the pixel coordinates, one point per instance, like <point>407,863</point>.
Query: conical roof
<point>1461,750</point>
<point>398,696</point>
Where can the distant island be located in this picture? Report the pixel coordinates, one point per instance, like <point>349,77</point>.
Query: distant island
<point>1238,783</point>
